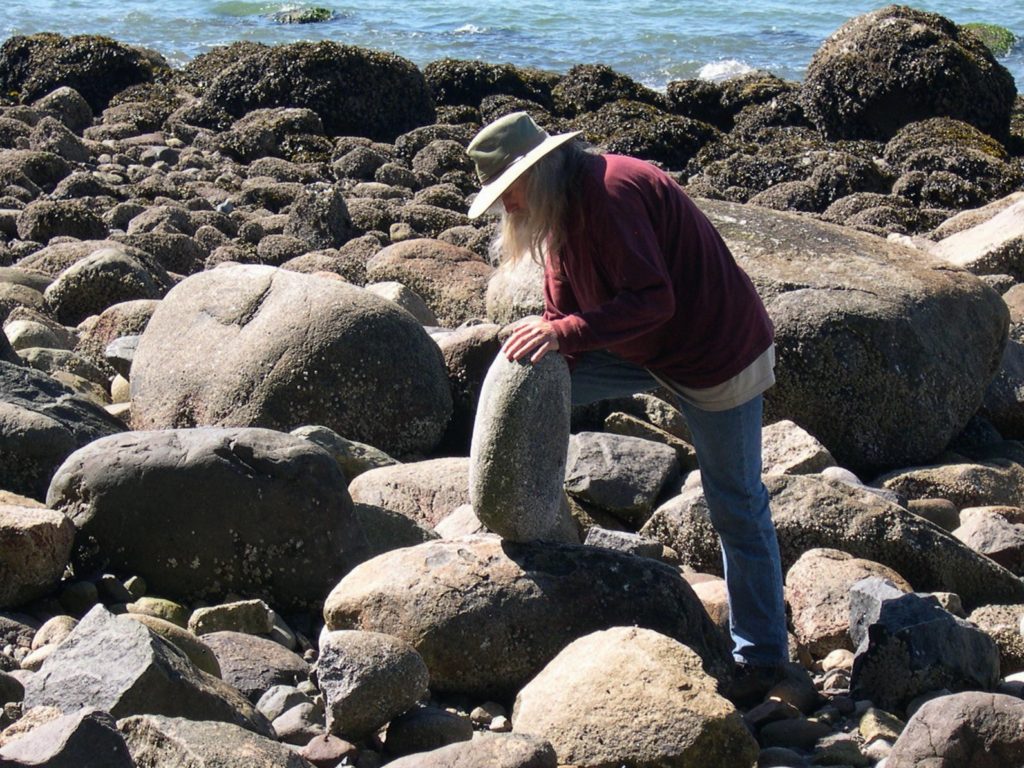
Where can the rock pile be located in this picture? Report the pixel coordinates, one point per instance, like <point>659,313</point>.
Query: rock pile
<point>299,511</point>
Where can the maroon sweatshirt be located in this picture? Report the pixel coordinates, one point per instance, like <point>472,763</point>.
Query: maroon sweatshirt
<point>646,276</point>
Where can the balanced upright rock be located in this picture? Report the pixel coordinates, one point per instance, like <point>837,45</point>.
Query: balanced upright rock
<point>517,458</point>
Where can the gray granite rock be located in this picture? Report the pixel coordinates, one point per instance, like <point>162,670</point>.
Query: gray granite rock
<point>173,742</point>
<point>518,454</point>
<point>424,729</point>
<point>132,671</point>
<point>367,679</point>
<point>512,750</point>
<point>254,664</point>
<point>87,738</point>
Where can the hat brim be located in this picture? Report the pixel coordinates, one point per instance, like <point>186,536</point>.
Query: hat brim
<point>490,193</point>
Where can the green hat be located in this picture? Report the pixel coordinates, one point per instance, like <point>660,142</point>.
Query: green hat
<point>504,150</point>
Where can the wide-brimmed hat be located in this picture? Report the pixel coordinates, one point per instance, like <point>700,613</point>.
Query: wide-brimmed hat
<point>504,150</point>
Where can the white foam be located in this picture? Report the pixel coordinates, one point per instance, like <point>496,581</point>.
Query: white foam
<point>723,70</point>
<point>470,29</point>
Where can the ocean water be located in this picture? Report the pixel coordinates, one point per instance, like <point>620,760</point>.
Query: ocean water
<point>653,41</point>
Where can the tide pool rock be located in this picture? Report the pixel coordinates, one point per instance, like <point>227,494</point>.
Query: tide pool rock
<point>171,742</point>
<point>34,548</point>
<point>486,615</point>
<point>631,696</point>
<point>810,512</point>
<point>132,671</point>
<point>258,346</point>
<point>883,353</point>
<point>201,512</point>
<point>518,454</point>
<point>969,728</point>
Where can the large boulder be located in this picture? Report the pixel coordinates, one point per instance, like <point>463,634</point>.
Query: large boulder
<point>810,512</point>
<point>97,67</point>
<point>634,697</point>
<point>259,346</point>
<point>451,279</point>
<point>201,512</point>
<point>518,454</point>
<point>896,65</point>
<point>486,615</point>
<point>883,353</point>
<point>131,671</point>
<point>964,730</point>
<point>41,423</point>
<point>34,548</point>
<point>515,290</point>
<point>355,91</point>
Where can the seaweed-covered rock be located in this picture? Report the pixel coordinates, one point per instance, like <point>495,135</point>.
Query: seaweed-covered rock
<point>646,131</point>
<point>457,81</point>
<point>68,106</point>
<point>896,65</point>
<point>752,88</point>
<point>46,219</point>
<point>95,66</point>
<point>699,100</point>
<point>355,91</point>
<point>587,87</point>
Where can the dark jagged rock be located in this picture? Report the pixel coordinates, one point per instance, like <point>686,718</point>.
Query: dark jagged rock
<point>355,91</point>
<point>95,66</point>
<point>133,671</point>
<point>85,739</point>
<point>699,100</point>
<point>896,65</point>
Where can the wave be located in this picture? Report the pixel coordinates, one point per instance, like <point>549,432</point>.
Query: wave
<point>723,70</point>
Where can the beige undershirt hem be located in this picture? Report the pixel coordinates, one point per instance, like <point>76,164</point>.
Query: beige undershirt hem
<point>745,385</point>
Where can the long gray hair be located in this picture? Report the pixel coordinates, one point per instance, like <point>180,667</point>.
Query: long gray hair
<point>552,189</point>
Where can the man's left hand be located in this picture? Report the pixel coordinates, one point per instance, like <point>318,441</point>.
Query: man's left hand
<point>532,337</point>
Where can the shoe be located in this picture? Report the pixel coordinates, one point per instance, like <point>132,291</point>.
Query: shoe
<point>750,683</point>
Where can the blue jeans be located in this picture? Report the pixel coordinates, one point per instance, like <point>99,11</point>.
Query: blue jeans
<point>728,446</point>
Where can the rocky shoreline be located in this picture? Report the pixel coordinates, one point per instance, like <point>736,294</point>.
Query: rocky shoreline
<point>247,331</point>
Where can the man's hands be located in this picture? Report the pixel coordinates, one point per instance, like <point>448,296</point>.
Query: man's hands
<point>534,337</point>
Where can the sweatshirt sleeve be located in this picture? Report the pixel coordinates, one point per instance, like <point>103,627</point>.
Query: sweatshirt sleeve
<point>622,247</point>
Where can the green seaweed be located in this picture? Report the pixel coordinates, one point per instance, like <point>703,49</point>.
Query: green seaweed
<point>997,39</point>
<point>304,16</point>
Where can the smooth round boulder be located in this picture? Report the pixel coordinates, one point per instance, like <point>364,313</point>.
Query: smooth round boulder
<point>518,454</point>
<point>631,696</point>
<point>423,491</point>
<point>486,615</point>
<point>486,750</point>
<point>253,664</point>
<point>35,545</point>
<point>515,291</point>
<point>897,65</point>
<point>201,512</point>
<point>883,353</point>
<point>258,346</point>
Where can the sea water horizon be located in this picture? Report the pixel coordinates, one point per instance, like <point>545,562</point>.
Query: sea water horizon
<point>653,42</point>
